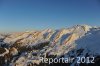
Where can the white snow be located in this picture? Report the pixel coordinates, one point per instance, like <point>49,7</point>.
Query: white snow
<point>62,42</point>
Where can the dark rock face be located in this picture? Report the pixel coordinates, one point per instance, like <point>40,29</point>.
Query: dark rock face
<point>2,61</point>
<point>2,50</point>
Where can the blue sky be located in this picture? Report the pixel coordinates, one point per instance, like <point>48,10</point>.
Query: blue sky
<point>22,15</point>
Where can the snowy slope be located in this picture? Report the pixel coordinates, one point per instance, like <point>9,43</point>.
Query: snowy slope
<point>76,41</point>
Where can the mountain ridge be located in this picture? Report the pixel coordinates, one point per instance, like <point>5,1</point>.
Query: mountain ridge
<point>50,42</point>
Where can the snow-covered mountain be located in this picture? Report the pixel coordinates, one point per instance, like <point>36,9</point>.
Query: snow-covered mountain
<point>26,48</point>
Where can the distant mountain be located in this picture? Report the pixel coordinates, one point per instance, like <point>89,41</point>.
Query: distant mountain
<point>26,48</point>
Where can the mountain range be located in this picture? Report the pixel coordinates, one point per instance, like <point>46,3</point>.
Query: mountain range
<point>26,48</point>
